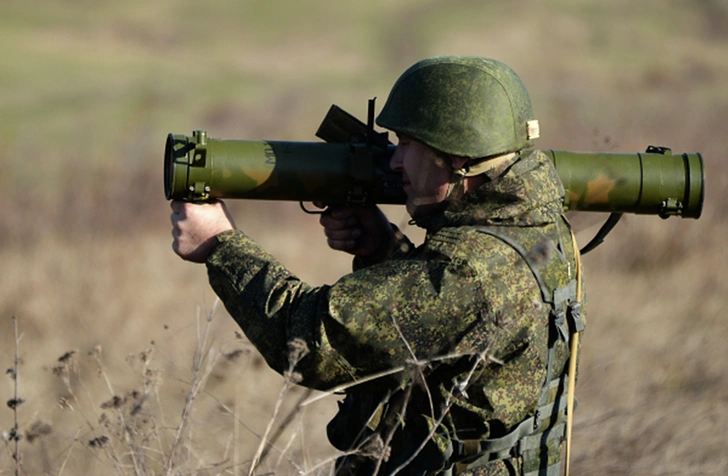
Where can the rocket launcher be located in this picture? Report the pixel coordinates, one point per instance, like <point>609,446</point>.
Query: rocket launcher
<point>352,167</point>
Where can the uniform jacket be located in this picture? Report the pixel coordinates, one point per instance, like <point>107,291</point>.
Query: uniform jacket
<point>462,315</point>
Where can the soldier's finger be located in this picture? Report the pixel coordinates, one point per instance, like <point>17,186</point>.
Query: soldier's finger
<point>349,234</point>
<point>342,245</point>
<point>341,213</point>
<point>332,223</point>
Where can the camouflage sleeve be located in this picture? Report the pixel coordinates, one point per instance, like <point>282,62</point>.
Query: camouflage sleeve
<point>369,321</point>
<point>273,307</point>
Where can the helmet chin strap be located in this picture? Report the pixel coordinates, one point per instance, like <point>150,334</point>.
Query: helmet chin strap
<point>456,189</point>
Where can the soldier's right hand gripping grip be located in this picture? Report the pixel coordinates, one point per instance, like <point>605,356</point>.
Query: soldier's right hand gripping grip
<point>199,168</point>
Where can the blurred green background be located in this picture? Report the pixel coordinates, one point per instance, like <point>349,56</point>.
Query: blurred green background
<point>89,90</point>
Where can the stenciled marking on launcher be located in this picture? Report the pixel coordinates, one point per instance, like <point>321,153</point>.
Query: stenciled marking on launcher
<point>258,164</point>
<point>270,155</point>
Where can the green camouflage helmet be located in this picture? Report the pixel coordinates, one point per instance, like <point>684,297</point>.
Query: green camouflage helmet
<point>461,105</point>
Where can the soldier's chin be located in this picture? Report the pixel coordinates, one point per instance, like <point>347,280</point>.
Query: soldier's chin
<point>419,206</point>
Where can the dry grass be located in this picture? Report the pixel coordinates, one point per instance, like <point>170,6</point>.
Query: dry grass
<point>88,93</point>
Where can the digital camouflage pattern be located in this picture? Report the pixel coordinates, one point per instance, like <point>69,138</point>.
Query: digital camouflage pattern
<point>462,314</point>
<point>461,105</point>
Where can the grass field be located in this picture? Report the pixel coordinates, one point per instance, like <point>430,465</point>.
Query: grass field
<point>120,367</point>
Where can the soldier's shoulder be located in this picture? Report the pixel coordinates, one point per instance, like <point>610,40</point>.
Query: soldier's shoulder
<point>475,245</point>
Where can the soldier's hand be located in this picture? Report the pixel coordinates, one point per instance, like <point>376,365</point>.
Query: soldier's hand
<point>361,231</point>
<point>194,227</point>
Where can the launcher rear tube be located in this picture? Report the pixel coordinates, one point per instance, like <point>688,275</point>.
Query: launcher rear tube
<point>642,183</point>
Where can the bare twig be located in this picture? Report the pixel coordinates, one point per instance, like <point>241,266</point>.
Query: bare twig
<point>68,455</point>
<point>297,349</point>
<point>375,376</point>
<point>458,387</point>
<point>294,434</point>
<point>15,403</point>
<point>385,453</point>
<point>126,430</point>
<point>416,365</point>
<point>202,354</point>
<point>233,414</point>
<point>285,423</point>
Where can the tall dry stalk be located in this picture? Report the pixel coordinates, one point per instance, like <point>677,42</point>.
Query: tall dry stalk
<point>203,354</point>
<point>297,349</point>
<point>14,403</point>
<point>126,429</point>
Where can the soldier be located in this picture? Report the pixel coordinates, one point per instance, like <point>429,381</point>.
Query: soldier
<point>467,334</point>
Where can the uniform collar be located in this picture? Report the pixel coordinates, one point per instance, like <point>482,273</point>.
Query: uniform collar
<point>527,193</point>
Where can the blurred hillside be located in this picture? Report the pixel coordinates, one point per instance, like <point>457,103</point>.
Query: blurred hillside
<point>88,92</point>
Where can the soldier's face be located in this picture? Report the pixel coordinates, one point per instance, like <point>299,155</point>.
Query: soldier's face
<point>426,175</point>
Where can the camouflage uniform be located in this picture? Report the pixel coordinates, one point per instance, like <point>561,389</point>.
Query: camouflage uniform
<point>464,314</point>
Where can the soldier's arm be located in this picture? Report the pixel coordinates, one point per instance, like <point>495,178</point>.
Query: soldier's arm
<point>273,308</point>
<point>370,321</point>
